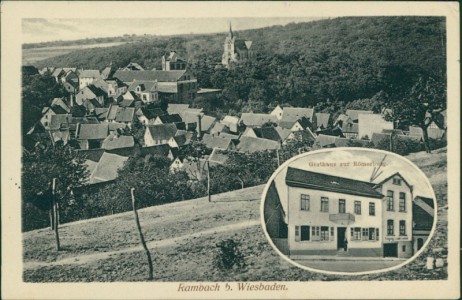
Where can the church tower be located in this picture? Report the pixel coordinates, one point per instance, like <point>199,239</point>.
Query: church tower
<point>235,49</point>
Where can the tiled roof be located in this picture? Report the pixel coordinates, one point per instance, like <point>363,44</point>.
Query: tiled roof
<point>174,118</point>
<point>162,131</point>
<point>173,108</point>
<point>207,122</point>
<point>228,135</point>
<point>422,213</point>
<point>257,120</point>
<point>107,168</point>
<point>230,120</point>
<point>115,142</point>
<point>251,144</point>
<point>353,114</point>
<point>160,76</point>
<point>322,120</point>
<point>295,113</point>
<point>269,133</point>
<point>212,142</point>
<point>91,154</point>
<point>159,150</point>
<point>218,156</point>
<point>146,85</point>
<point>127,103</point>
<point>93,131</point>
<point>283,132</point>
<point>150,113</point>
<point>325,140</point>
<point>101,84</point>
<point>113,126</point>
<point>57,72</point>
<point>318,181</point>
<point>219,128</point>
<point>57,120</point>
<point>167,88</point>
<point>89,74</point>
<point>304,136</point>
<point>125,114</point>
<point>189,116</point>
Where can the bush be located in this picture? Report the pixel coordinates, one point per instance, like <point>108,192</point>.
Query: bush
<point>229,256</point>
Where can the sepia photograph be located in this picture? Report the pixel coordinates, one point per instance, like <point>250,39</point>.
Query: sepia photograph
<point>350,210</point>
<point>229,150</point>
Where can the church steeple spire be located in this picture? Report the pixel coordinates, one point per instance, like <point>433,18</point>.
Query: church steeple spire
<point>230,30</point>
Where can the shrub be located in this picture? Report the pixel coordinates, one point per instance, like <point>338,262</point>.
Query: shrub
<point>229,256</point>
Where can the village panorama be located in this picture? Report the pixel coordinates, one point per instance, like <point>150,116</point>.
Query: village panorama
<point>193,125</point>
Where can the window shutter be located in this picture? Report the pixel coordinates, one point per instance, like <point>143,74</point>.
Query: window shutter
<point>352,232</point>
<point>297,233</point>
<point>332,233</point>
<point>377,234</point>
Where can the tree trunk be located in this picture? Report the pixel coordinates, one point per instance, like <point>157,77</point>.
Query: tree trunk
<point>55,215</point>
<point>426,141</point>
<point>143,242</point>
<point>242,182</point>
<point>208,182</point>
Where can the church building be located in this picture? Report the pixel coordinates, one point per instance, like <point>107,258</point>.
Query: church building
<point>236,50</point>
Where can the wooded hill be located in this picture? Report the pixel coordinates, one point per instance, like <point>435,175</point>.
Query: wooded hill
<point>341,59</point>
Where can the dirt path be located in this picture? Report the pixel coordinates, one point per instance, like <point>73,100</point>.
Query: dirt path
<point>88,258</point>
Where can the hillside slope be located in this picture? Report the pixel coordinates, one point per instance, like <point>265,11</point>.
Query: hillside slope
<point>182,237</point>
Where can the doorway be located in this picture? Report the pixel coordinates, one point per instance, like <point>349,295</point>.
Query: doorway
<point>341,237</point>
<point>390,250</point>
<point>419,244</point>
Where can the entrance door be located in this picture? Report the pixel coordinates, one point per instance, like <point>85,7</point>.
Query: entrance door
<point>419,244</point>
<point>390,250</point>
<point>341,237</point>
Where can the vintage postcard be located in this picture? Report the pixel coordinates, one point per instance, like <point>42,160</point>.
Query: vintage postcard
<point>230,150</point>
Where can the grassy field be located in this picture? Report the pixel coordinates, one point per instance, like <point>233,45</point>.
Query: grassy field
<point>182,238</point>
<point>30,56</point>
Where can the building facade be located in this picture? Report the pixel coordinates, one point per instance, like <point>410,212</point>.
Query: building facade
<point>235,50</point>
<point>331,215</point>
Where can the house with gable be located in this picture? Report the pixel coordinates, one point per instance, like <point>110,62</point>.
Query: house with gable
<point>146,91</point>
<point>323,121</point>
<point>232,123</point>
<point>249,144</point>
<point>329,214</point>
<point>106,169</point>
<point>269,133</point>
<point>86,77</point>
<point>295,113</point>
<point>91,136</point>
<point>159,134</point>
<point>178,86</point>
<point>423,215</point>
<point>171,62</point>
<point>118,114</point>
<point>91,92</point>
<point>277,112</point>
<point>212,142</point>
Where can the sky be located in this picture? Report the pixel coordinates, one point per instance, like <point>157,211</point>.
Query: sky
<point>43,30</point>
<point>392,164</point>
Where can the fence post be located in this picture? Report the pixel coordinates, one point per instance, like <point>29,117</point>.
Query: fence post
<point>55,214</point>
<point>143,242</point>
<point>208,181</point>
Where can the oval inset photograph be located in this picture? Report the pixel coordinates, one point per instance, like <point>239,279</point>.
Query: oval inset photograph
<point>348,211</point>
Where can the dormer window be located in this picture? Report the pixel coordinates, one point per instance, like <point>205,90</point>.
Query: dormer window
<point>138,88</point>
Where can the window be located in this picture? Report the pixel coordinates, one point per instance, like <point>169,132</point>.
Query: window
<point>404,248</point>
<point>356,233</point>
<point>402,227</point>
<point>396,181</point>
<point>324,233</point>
<point>357,207</point>
<point>390,227</point>
<point>402,202</point>
<point>332,231</point>
<point>304,202</point>
<point>324,204</point>
<point>315,233</point>
<point>377,234</point>
<point>297,233</point>
<point>365,234</point>
<point>305,230</point>
<point>390,201</point>
<point>341,206</point>
<point>371,234</point>
<point>371,209</point>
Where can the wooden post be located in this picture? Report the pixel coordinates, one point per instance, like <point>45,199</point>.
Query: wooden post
<point>143,242</point>
<point>208,181</point>
<point>277,154</point>
<point>55,214</point>
<point>50,212</point>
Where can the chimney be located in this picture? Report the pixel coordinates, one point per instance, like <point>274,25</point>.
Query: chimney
<point>199,126</point>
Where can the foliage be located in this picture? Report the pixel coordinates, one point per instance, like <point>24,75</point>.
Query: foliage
<point>401,145</point>
<point>334,61</point>
<point>37,93</point>
<point>228,256</point>
<point>422,104</point>
<point>39,168</point>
